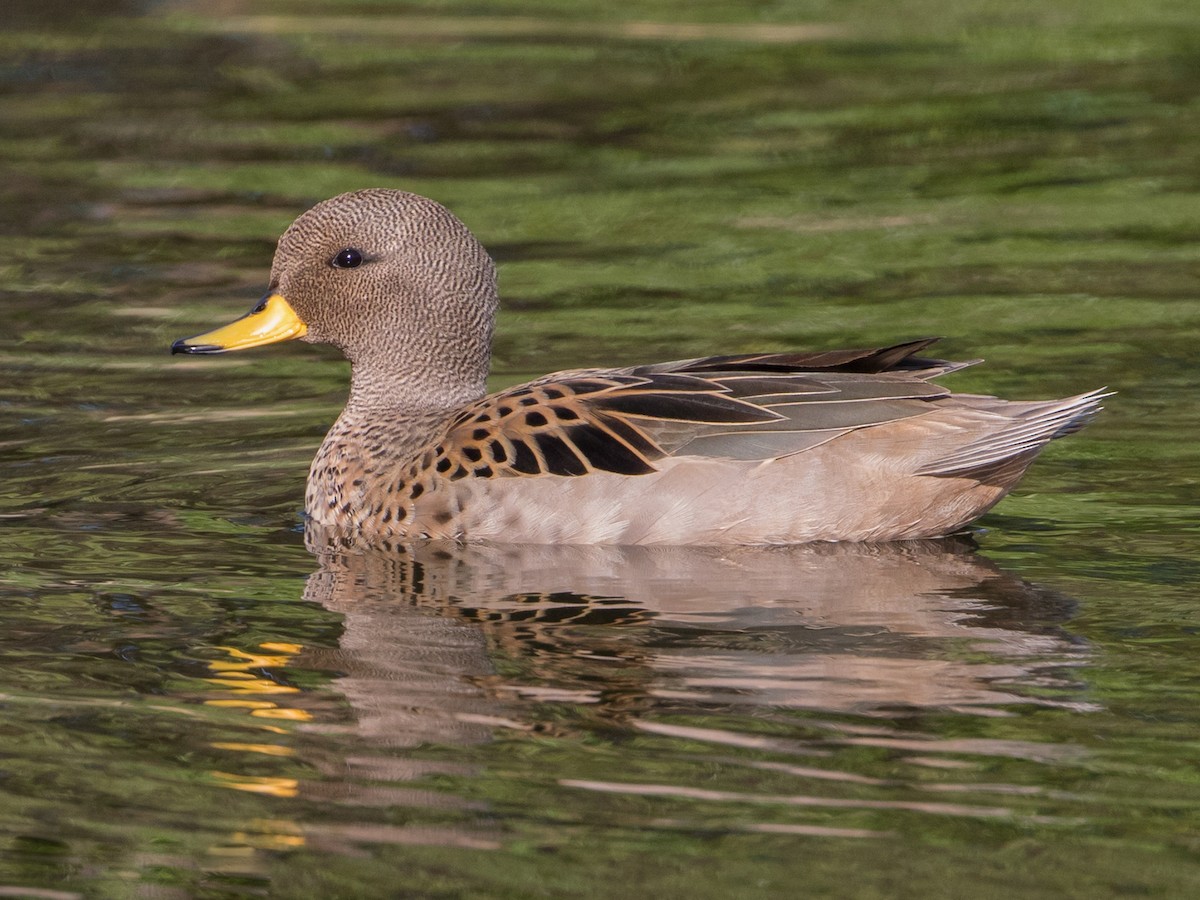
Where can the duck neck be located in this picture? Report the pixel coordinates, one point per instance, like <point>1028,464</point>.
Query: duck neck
<point>377,392</point>
<point>393,419</point>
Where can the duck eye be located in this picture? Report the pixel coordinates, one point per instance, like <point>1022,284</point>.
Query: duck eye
<point>347,259</point>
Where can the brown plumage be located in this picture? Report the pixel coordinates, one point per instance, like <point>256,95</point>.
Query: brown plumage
<point>751,449</point>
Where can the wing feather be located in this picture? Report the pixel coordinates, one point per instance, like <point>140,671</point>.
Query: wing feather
<point>749,407</point>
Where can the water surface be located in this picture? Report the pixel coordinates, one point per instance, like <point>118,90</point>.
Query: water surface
<point>196,704</point>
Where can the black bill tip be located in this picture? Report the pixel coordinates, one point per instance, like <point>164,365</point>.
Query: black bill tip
<point>182,346</point>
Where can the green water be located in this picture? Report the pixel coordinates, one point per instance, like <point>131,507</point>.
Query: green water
<point>193,705</point>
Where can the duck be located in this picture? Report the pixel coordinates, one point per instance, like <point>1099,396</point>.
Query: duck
<point>744,449</point>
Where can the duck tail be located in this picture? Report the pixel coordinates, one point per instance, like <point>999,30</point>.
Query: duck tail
<point>1029,429</point>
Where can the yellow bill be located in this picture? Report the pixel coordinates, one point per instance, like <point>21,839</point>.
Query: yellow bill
<point>271,322</point>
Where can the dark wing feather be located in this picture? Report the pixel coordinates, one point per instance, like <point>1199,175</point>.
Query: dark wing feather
<point>714,408</point>
<point>738,407</point>
<point>876,360</point>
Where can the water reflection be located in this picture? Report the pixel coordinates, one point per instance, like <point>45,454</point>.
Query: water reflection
<point>799,690</point>
<point>447,642</point>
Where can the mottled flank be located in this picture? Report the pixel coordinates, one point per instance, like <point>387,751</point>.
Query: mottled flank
<point>752,449</point>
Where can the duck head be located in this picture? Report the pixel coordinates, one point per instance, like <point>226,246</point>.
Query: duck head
<point>393,280</point>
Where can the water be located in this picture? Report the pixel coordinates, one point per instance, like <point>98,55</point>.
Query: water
<point>197,705</point>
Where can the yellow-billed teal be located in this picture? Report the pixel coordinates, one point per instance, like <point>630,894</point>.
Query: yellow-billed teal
<point>851,445</point>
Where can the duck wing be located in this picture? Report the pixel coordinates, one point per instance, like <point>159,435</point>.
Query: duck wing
<point>749,407</point>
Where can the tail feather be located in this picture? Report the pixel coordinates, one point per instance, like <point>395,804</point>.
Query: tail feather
<point>1028,432</point>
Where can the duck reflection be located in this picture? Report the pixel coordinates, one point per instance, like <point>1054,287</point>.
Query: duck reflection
<point>446,642</point>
